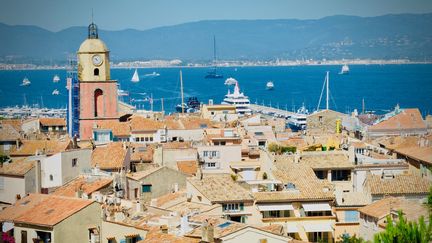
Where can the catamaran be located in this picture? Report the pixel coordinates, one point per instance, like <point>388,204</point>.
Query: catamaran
<point>135,77</point>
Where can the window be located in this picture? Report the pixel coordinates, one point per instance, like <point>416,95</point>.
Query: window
<point>51,177</point>
<point>351,216</point>
<point>321,174</point>
<point>23,236</point>
<point>103,136</point>
<point>74,162</point>
<point>318,237</point>
<point>132,239</point>
<point>205,153</point>
<point>151,139</point>
<point>146,188</point>
<point>232,207</point>
<point>211,165</point>
<point>98,102</point>
<point>320,118</point>
<point>96,72</point>
<point>341,175</point>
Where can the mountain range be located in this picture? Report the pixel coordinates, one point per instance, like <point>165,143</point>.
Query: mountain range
<point>335,37</point>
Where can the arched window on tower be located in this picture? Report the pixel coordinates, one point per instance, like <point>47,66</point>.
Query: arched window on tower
<point>98,103</point>
<point>96,72</point>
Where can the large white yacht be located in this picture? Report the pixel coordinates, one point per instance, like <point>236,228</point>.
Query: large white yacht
<point>239,100</point>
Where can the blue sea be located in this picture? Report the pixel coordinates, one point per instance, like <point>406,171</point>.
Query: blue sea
<point>381,86</point>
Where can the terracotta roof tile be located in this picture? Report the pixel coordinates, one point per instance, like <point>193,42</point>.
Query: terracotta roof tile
<point>21,206</point>
<point>17,167</point>
<point>220,188</point>
<point>407,119</point>
<point>49,147</point>
<point>412,210</point>
<point>157,237</point>
<point>400,184</point>
<point>188,167</point>
<point>46,210</point>
<point>141,152</point>
<point>141,174</point>
<point>48,121</point>
<point>119,129</point>
<point>8,133</point>
<point>139,123</point>
<point>307,185</point>
<point>111,156</point>
<point>88,186</point>
<point>15,123</point>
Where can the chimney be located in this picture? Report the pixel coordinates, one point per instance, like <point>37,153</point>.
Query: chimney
<point>38,176</point>
<point>164,229</point>
<point>74,142</point>
<point>207,232</point>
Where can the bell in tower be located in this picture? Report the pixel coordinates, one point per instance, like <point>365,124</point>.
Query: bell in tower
<point>92,31</point>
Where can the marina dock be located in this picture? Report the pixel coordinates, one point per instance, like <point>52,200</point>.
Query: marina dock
<point>271,111</point>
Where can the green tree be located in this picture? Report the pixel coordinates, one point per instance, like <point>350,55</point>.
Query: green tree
<point>429,200</point>
<point>346,238</point>
<point>404,231</point>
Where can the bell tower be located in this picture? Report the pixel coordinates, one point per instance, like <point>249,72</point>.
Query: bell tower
<point>98,93</point>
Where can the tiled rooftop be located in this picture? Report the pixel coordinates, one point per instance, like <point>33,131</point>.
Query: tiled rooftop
<point>412,210</point>
<point>48,121</point>
<point>119,129</point>
<point>43,210</point>
<point>87,185</point>
<point>18,167</point>
<point>110,156</point>
<point>400,184</point>
<point>220,188</point>
<point>8,133</point>
<point>407,119</point>
<point>49,147</point>
<point>189,167</point>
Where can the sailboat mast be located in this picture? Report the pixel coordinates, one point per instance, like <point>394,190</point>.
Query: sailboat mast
<point>214,50</point>
<point>363,106</point>
<point>181,90</point>
<point>327,88</point>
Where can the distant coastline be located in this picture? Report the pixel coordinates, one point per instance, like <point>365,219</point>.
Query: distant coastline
<point>180,64</point>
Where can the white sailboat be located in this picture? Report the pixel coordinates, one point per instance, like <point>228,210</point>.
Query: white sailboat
<point>56,78</point>
<point>135,77</point>
<point>345,69</point>
<point>55,92</point>
<point>269,85</point>
<point>25,82</point>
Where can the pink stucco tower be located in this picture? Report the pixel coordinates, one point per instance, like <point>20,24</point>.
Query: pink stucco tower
<point>98,93</point>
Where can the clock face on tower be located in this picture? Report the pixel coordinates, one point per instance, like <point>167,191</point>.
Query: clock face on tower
<point>97,60</point>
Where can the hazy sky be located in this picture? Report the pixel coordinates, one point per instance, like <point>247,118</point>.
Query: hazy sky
<point>144,14</point>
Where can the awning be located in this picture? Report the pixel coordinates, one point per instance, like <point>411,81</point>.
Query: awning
<point>308,207</point>
<point>275,207</point>
<point>318,227</point>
